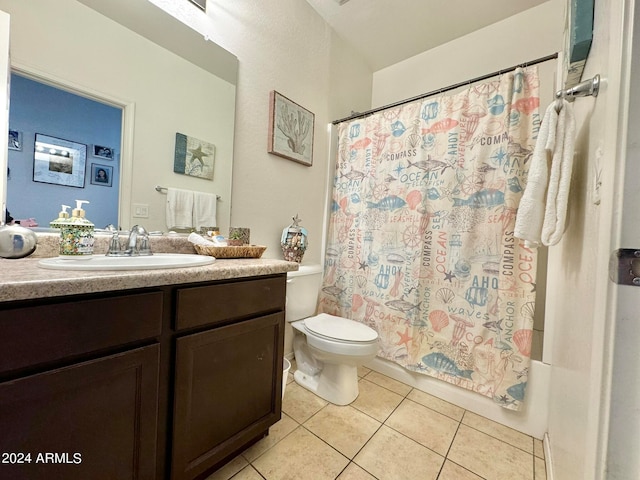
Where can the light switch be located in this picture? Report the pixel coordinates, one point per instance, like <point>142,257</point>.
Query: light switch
<point>140,210</point>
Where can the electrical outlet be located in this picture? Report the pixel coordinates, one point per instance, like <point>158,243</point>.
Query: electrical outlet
<point>140,210</point>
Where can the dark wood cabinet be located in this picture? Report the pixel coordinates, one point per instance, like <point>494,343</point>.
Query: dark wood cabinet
<point>159,383</point>
<point>79,387</point>
<point>225,380</point>
<point>96,419</point>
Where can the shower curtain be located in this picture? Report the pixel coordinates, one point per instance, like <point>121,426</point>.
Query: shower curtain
<point>421,244</point>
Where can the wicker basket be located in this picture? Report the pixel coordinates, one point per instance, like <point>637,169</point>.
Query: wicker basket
<point>245,251</point>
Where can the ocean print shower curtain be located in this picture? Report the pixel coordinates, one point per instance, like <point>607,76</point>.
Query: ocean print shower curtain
<point>421,244</point>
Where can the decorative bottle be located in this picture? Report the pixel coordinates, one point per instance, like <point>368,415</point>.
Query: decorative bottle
<point>294,241</point>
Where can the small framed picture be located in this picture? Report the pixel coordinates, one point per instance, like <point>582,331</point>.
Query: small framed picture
<point>100,151</point>
<point>101,175</point>
<point>290,130</point>
<point>15,140</point>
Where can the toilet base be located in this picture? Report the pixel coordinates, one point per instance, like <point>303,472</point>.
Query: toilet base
<point>337,384</point>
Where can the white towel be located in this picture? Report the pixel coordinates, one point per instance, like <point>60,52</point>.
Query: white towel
<point>204,209</point>
<point>179,211</point>
<point>540,220</point>
<point>560,177</point>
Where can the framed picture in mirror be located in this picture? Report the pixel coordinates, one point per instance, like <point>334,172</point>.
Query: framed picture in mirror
<point>194,157</point>
<point>59,161</point>
<point>290,130</point>
<point>15,140</point>
<point>101,175</point>
<point>103,152</point>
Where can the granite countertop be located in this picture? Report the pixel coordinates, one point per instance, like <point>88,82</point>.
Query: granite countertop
<point>23,279</point>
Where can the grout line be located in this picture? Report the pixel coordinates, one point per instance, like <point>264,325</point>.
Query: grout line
<point>327,444</point>
<point>453,440</point>
<point>365,443</point>
<point>499,439</point>
<point>464,468</point>
<point>434,410</point>
<point>533,451</point>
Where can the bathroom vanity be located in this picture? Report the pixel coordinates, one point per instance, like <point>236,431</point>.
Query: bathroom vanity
<point>161,374</point>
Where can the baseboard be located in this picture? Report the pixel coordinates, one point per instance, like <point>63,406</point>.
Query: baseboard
<point>547,456</point>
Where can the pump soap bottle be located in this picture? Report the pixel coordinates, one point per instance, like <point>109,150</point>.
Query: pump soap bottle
<point>76,235</point>
<point>63,217</point>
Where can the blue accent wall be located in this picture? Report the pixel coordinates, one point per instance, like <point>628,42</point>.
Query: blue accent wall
<point>39,108</point>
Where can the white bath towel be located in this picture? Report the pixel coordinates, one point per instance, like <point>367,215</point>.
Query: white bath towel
<point>560,177</point>
<point>179,211</point>
<point>204,209</point>
<point>542,211</point>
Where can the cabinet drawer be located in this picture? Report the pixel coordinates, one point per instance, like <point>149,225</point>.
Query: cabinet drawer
<point>46,333</point>
<point>218,303</point>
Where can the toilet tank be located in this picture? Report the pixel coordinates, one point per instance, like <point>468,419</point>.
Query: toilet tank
<point>303,287</point>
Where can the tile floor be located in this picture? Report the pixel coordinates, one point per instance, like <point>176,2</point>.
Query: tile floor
<point>390,432</point>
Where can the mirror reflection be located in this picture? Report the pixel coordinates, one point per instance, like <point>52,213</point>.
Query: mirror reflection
<point>152,91</point>
<point>69,151</point>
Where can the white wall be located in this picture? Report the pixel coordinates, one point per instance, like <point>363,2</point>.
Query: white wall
<point>281,45</point>
<point>285,46</point>
<point>534,33</point>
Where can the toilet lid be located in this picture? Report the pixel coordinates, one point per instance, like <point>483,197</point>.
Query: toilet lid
<point>339,328</point>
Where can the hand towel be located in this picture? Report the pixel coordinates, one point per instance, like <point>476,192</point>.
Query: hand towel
<point>530,215</point>
<point>204,209</point>
<point>199,240</point>
<point>179,211</point>
<point>560,177</point>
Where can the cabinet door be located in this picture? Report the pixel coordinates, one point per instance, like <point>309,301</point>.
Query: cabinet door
<point>94,420</point>
<point>228,388</point>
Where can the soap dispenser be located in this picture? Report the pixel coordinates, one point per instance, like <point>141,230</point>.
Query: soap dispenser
<point>76,235</point>
<point>63,217</point>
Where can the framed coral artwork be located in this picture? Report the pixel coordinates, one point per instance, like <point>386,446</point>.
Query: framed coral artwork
<point>290,130</point>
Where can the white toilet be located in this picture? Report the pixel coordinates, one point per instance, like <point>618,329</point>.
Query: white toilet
<point>328,349</point>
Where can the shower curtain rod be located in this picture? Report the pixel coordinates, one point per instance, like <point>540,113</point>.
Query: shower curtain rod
<point>445,89</point>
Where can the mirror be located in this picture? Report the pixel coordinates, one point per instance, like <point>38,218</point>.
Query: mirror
<point>163,85</point>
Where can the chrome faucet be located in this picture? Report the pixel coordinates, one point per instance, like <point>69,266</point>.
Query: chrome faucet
<point>134,247</point>
<point>132,244</point>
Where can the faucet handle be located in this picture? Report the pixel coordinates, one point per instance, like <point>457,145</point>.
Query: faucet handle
<point>114,244</point>
<point>145,245</point>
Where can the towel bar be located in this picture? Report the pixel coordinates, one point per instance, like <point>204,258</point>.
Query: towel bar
<point>588,88</point>
<point>164,190</point>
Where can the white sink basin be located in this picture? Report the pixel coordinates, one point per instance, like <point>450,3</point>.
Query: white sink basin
<point>152,262</point>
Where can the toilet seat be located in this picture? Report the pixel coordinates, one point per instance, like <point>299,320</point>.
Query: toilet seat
<point>339,329</point>
<point>339,346</point>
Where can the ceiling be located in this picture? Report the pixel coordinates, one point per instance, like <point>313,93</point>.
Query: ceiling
<point>386,32</point>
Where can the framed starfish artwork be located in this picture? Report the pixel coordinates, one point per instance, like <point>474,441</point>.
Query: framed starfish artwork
<point>194,157</point>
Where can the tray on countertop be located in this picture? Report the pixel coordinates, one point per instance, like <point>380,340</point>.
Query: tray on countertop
<point>244,251</point>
